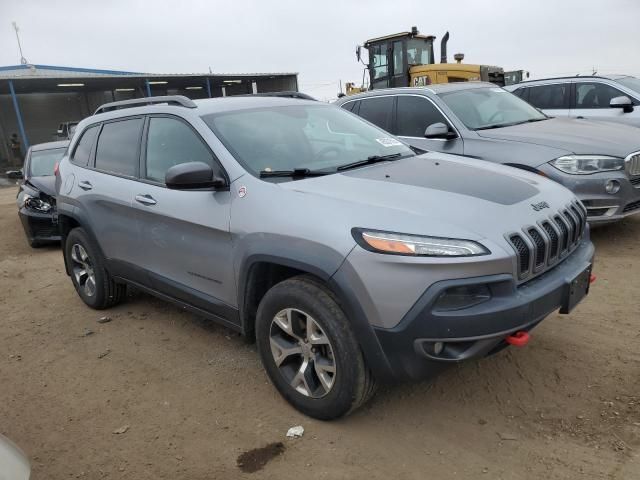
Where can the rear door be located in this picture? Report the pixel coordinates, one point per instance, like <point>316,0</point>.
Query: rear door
<point>105,186</point>
<point>554,99</point>
<point>185,242</point>
<point>414,113</point>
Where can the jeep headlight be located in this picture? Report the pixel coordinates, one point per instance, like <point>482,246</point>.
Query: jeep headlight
<point>37,204</point>
<point>416,245</point>
<point>587,164</point>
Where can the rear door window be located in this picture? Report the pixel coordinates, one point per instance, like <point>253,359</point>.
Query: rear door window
<point>549,97</point>
<point>172,142</point>
<point>118,149</point>
<point>377,110</point>
<point>82,151</point>
<point>415,114</point>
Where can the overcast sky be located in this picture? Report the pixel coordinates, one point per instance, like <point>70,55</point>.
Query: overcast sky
<point>318,38</point>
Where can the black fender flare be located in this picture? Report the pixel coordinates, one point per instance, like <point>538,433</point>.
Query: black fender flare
<point>340,287</point>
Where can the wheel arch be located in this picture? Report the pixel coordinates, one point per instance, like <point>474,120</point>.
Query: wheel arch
<point>260,272</point>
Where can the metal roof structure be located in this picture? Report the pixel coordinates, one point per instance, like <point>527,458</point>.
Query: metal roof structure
<point>49,93</point>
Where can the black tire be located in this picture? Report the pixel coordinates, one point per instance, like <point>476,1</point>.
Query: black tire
<point>353,383</point>
<point>107,292</point>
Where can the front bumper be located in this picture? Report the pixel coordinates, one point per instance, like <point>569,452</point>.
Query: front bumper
<point>602,207</point>
<point>40,227</point>
<point>480,330</point>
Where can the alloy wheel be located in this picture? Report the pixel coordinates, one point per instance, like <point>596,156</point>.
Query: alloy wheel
<point>83,270</point>
<point>302,352</point>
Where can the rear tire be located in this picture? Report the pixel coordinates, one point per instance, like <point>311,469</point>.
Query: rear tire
<point>90,278</point>
<point>298,321</point>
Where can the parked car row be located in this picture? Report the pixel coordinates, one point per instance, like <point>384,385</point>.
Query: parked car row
<point>598,161</point>
<point>352,257</point>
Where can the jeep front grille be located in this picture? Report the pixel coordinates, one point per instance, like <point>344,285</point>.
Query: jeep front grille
<point>633,164</point>
<point>540,246</point>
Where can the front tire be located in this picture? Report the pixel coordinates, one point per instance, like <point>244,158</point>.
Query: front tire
<point>91,280</point>
<point>309,351</point>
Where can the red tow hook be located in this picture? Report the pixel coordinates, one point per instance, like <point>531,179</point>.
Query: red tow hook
<point>592,278</point>
<point>518,339</point>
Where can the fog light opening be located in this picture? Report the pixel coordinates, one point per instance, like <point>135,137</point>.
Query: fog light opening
<point>612,186</point>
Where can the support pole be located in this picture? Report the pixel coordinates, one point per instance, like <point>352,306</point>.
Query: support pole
<point>146,81</point>
<point>16,107</point>
<point>208,87</point>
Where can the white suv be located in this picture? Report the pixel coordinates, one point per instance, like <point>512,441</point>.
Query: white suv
<point>614,98</point>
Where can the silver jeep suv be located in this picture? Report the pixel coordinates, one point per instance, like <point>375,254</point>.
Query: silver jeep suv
<point>349,258</point>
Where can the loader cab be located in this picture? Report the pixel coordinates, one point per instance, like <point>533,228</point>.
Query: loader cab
<point>391,57</point>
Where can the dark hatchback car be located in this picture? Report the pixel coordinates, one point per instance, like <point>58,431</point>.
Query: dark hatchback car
<point>36,196</point>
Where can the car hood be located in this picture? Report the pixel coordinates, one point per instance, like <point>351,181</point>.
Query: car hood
<point>444,195</point>
<point>45,184</point>
<point>572,136</point>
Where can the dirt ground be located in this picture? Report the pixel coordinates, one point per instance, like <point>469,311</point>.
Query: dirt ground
<point>190,398</point>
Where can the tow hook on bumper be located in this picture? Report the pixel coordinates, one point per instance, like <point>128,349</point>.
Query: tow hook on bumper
<point>518,339</point>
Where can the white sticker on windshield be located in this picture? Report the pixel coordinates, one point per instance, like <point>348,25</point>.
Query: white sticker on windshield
<point>388,142</point>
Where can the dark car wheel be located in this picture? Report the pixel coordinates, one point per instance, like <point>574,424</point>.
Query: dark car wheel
<point>90,279</point>
<point>309,350</point>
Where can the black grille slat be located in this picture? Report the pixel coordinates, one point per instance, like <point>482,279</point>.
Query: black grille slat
<point>580,220</point>
<point>540,247</point>
<point>564,232</point>
<point>554,239</point>
<point>635,181</point>
<point>573,227</point>
<point>522,250</point>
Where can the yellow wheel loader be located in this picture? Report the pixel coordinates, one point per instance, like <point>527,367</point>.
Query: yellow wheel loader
<point>406,59</point>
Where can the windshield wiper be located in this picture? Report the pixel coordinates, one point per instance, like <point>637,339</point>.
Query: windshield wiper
<point>501,125</point>
<point>369,161</point>
<point>494,125</point>
<point>294,173</point>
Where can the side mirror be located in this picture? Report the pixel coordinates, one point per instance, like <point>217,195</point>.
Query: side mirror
<point>622,102</point>
<point>359,52</point>
<point>14,174</point>
<point>439,130</point>
<point>192,175</point>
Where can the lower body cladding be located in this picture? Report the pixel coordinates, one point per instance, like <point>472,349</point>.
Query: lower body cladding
<point>434,334</point>
<point>40,228</point>
<point>607,196</point>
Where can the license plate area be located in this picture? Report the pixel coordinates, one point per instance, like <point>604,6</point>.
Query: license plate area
<point>576,290</point>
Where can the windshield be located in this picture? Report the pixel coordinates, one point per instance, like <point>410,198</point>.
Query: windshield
<point>314,137</point>
<point>481,108</point>
<point>42,161</point>
<point>630,82</point>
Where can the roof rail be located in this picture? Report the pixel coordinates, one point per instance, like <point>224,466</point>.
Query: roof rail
<point>179,100</point>
<point>286,93</point>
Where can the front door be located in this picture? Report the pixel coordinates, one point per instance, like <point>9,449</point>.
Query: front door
<point>185,241</point>
<point>591,100</point>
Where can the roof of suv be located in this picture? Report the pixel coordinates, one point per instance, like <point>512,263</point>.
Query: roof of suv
<point>574,77</point>
<point>197,107</point>
<point>435,89</point>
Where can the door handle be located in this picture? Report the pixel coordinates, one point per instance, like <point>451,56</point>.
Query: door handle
<point>85,185</point>
<point>145,199</point>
